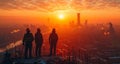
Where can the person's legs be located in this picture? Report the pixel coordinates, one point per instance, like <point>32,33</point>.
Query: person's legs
<point>26,52</point>
<point>54,49</point>
<point>30,51</point>
<point>40,50</point>
<point>36,51</point>
<point>51,47</point>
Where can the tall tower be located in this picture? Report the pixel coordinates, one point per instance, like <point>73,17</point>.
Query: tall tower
<point>78,18</point>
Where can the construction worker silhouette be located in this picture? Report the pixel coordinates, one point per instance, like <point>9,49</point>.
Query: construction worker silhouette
<point>27,42</point>
<point>53,38</point>
<point>38,42</point>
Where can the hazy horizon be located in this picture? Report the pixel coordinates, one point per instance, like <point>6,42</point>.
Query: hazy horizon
<point>40,11</point>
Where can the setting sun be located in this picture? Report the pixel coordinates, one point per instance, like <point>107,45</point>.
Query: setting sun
<point>61,16</point>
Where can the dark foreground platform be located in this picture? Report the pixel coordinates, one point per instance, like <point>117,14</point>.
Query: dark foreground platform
<point>42,60</point>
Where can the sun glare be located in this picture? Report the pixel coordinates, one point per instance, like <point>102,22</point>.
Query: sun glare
<point>61,16</point>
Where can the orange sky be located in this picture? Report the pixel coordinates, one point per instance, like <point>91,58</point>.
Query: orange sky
<point>38,11</point>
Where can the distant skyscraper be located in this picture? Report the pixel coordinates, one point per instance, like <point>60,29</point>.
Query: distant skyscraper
<point>78,18</point>
<point>86,22</point>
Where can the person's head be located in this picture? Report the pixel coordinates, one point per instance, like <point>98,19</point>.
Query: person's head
<point>28,30</point>
<point>53,31</point>
<point>38,30</point>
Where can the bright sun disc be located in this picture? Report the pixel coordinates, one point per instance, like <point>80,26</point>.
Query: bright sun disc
<point>61,16</point>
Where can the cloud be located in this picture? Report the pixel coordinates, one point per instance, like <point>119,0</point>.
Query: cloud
<point>51,5</point>
<point>96,4</point>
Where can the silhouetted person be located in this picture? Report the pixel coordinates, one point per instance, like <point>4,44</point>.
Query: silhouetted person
<point>53,38</point>
<point>27,42</point>
<point>38,42</point>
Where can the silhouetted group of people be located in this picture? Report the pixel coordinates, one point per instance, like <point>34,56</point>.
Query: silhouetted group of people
<point>29,38</point>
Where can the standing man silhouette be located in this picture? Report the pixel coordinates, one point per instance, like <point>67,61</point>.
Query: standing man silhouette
<point>27,42</point>
<point>53,38</point>
<point>38,42</point>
